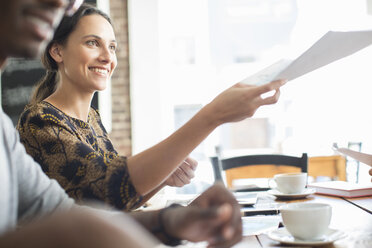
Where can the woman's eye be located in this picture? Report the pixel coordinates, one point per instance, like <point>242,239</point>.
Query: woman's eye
<point>113,48</point>
<point>91,43</point>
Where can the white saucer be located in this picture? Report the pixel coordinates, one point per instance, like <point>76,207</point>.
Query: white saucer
<point>283,236</point>
<point>281,195</point>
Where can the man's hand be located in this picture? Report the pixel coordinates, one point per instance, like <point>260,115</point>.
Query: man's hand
<point>183,174</point>
<point>213,217</point>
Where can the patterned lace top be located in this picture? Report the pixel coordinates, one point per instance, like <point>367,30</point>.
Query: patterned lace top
<point>78,154</point>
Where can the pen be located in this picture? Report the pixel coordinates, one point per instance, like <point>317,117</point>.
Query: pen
<point>248,212</point>
<point>252,189</point>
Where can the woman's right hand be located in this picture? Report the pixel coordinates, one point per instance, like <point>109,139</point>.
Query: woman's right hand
<point>183,174</point>
<point>241,101</point>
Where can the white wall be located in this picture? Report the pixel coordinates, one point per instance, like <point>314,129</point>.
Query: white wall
<point>328,105</point>
<point>144,73</point>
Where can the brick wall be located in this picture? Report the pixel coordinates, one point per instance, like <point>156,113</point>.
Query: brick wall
<point>121,116</point>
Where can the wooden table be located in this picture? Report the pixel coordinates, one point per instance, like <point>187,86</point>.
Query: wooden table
<point>362,202</point>
<point>353,216</point>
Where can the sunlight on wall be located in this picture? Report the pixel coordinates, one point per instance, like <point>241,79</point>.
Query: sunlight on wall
<point>205,46</point>
<point>330,104</point>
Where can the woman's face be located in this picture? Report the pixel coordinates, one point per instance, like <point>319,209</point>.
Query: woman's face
<point>88,59</point>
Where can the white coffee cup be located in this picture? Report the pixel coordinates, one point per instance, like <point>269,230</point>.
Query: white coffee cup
<point>291,183</point>
<point>306,221</point>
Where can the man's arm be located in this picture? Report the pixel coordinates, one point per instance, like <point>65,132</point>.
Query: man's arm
<point>35,194</point>
<point>80,228</point>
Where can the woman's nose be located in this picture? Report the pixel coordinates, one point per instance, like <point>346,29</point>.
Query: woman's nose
<point>105,55</point>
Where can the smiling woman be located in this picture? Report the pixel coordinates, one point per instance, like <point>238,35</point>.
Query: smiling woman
<point>60,130</point>
<point>64,134</point>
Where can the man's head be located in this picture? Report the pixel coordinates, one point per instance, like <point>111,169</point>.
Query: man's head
<point>26,26</point>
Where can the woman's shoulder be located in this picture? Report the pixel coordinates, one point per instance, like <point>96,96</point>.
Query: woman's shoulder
<point>95,119</point>
<point>45,109</point>
<point>39,113</point>
<point>94,112</point>
<point>94,116</point>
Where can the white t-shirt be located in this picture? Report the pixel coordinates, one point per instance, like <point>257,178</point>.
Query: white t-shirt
<point>25,191</point>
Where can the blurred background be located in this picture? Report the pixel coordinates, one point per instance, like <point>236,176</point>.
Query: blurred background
<point>184,52</point>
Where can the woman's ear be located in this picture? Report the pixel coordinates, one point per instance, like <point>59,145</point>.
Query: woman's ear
<point>55,52</point>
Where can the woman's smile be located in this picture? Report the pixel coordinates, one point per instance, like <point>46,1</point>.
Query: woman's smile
<point>100,71</point>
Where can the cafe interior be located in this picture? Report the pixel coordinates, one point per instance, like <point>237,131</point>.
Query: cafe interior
<point>188,61</point>
<point>175,56</point>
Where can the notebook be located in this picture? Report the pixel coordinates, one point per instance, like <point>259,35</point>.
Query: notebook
<point>341,188</point>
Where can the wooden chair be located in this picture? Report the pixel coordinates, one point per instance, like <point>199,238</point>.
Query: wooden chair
<point>257,166</point>
<point>329,166</point>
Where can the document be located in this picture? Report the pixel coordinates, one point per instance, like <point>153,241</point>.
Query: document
<point>333,46</point>
<point>255,225</point>
<point>250,184</point>
<point>182,199</point>
<point>359,156</point>
<point>246,199</point>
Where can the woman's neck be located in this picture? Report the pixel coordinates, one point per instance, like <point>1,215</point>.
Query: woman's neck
<point>72,102</point>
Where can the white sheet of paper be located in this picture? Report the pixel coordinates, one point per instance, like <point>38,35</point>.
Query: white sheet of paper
<point>246,198</point>
<point>333,46</point>
<point>362,157</point>
<point>182,199</point>
<point>255,225</point>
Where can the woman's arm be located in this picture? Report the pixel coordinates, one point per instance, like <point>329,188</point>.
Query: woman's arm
<point>82,161</point>
<point>149,168</point>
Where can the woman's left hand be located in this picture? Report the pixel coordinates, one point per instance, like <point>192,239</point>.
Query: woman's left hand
<point>183,174</point>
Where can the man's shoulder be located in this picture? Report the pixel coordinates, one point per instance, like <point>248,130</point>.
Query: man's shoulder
<point>6,125</point>
<point>4,119</point>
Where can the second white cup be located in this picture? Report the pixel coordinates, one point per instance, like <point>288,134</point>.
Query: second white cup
<point>291,183</point>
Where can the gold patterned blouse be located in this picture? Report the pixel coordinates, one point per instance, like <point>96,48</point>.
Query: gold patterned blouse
<point>78,154</point>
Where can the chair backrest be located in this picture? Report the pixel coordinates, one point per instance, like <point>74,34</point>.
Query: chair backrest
<point>216,168</point>
<point>269,165</point>
<point>333,167</point>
